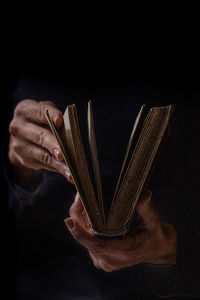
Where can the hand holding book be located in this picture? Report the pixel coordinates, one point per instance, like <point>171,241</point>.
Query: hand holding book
<point>32,145</point>
<point>144,144</point>
<point>149,240</point>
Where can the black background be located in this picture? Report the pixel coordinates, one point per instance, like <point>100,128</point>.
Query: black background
<point>183,78</point>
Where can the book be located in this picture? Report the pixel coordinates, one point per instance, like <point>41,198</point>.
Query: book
<point>141,153</point>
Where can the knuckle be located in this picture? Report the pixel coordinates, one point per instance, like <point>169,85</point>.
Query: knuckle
<point>71,209</point>
<point>48,141</point>
<point>22,106</point>
<point>77,234</point>
<point>22,161</point>
<point>17,147</point>
<point>41,109</point>
<point>18,109</point>
<point>13,127</point>
<point>106,267</point>
<point>97,249</point>
<point>39,137</point>
<point>47,103</point>
<point>74,211</point>
<point>46,158</point>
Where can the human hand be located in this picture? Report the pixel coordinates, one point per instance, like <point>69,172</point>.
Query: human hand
<point>149,240</point>
<point>32,145</point>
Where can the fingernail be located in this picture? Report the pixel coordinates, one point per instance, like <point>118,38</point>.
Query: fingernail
<point>67,174</point>
<point>56,153</point>
<point>69,223</point>
<point>57,120</point>
<point>70,178</point>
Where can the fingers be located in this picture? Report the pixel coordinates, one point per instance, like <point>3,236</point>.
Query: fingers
<point>31,156</point>
<point>35,112</point>
<point>32,137</point>
<point>32,145</point>
<point>77,211</point>
<point>94,245</point>
<point>38,135</point>
<point>106,254</point>
<point>114,254</point>
<point>82,235</point>
<point>78,225</point>
<point>79,218</point>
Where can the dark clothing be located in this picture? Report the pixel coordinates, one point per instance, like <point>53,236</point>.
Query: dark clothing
<point>49,262</point>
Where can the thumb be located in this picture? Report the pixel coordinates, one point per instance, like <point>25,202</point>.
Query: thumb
<point>147,213</point>
<point>81,234</point>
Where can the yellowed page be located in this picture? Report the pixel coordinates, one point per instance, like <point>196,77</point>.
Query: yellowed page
<point>90,201</point>
<point>135,127</point>
<point>139,166</point>
<point>95,162</point>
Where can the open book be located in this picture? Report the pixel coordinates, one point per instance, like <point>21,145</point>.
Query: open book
<point>144,144</point>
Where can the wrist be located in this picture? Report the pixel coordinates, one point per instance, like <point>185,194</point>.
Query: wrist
<point>20,174</point>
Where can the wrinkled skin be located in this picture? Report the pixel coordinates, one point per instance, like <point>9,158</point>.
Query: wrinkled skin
<point>32,145</point>
<point>150,240</point>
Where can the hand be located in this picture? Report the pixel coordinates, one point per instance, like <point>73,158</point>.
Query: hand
<point>32,145</point>
<point>150,240</point>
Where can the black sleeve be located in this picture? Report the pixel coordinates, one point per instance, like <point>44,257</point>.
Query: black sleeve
<point>18,196</point>
<point>184,278</point>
